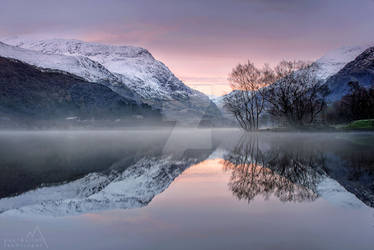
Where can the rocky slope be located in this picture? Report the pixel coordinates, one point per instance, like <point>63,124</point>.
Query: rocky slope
<point>31,93</point>
<point>360,69</point>
<point>138,70</point>
<point>78,65</point>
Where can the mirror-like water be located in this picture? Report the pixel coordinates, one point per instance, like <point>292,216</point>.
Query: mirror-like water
<point>186,189</point>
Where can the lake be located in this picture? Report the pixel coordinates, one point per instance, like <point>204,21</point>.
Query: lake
<point>153,188</point>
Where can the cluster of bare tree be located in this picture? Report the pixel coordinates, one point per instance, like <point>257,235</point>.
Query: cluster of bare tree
<point>288,92</point>
<point>357,105</point>
<point>246,102</point>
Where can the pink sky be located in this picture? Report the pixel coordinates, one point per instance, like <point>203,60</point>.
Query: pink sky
<point>200,41</point>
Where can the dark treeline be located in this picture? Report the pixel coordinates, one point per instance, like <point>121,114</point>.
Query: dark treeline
<point>357,105</point>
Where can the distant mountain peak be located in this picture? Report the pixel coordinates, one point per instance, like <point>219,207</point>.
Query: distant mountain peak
<point>78,47</point>
<point>335,60</point>
<point>361,69</point>
<point>78,65</point>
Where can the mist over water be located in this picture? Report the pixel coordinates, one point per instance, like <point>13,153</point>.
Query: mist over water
<point>183,188</point>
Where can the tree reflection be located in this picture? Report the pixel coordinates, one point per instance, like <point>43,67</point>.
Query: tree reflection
<point>284,170</point>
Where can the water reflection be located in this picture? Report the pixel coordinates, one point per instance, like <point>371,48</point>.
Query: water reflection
<point>301,168</point>
<point>288,173</point>
<point>133,187</point>
<point>75,173</point>
<point>71,174</point>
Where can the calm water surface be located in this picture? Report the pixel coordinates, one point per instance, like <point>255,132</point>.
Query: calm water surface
<point>186,189</point>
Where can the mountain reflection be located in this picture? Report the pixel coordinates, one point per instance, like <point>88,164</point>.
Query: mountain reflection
<point>131,187</point>
<point>89,171</point>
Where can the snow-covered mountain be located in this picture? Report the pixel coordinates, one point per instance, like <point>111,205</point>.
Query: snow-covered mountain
<point>34,97</point>
<point>323,68</point>
<point>135,68</point>
<point>361,69</point>
<point>330,64</point>
<point>219,102</point>
<point>78,65</point>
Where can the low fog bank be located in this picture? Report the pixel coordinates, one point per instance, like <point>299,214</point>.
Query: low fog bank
<point>76,123</point>
<point>136,121</point>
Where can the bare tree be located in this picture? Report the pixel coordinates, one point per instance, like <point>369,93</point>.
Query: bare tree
<point>246,102</point>
<point>236,105</point>
<point>297,96</point>
<point>288,91</point>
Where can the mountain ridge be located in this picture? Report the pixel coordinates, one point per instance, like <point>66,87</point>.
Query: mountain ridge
<point>136,68</point>
<point>361,69</point>
<point>29,94</point>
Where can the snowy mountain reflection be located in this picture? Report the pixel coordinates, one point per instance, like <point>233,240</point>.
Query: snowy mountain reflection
<point>76,173</point>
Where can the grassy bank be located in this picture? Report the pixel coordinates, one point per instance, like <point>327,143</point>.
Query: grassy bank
<point>361,125</point>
